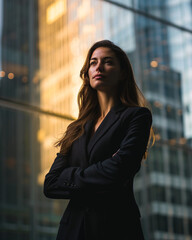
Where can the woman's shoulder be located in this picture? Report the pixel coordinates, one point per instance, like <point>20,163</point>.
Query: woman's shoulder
<point>136,111</point>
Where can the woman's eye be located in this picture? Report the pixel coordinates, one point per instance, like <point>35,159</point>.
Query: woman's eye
<point>92,63</point>
<point>109,62</point>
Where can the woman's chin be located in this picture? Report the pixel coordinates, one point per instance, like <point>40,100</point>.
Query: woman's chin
<point>101,88</point>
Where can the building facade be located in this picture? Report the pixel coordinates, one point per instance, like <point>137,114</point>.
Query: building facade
<point>43,44</point>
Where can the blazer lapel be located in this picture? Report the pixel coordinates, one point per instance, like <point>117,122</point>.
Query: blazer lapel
<point>109,120</point>
<point>83,144</point>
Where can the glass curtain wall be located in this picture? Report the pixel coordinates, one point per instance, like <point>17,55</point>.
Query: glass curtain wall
<point>43,44</point>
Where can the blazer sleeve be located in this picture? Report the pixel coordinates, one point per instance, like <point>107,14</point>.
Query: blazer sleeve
<point>51,188</point>
<point>111,172</point>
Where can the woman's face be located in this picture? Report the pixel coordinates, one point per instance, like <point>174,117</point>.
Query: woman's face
<point>104,71</point>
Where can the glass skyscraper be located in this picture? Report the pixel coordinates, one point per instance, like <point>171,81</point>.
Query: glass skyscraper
<point>43,44</point>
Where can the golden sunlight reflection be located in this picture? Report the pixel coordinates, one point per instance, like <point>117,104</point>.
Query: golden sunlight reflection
<point>63,43</point>
<point>2,74</point>
<point>82,10</point>
<point>89,29</point>
<point>11,75</point>
<point>40,135</point>
<point>56,10</point>
<point>154,64</point>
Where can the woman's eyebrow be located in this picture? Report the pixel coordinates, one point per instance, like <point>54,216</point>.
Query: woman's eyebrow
<point>108,57</point>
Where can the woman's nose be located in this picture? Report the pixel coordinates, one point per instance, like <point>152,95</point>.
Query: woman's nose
<point>99,66</point>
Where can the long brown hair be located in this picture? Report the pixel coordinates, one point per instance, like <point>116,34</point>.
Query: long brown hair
<point>129,95</point>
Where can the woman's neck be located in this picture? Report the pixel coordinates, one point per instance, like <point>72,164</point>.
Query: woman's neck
<point>106,102</point>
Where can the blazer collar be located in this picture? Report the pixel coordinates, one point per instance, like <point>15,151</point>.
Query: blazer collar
<point>118,107</point>
<point>108,121</point>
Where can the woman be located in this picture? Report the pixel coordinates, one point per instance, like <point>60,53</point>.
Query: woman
<point>101,151</point>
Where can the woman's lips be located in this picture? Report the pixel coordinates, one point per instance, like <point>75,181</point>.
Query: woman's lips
<point>98,76</point>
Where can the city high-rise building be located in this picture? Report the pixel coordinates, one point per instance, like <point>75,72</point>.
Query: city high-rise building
<point>43,44</point>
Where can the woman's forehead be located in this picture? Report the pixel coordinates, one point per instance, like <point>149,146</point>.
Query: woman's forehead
<point>101,52</point>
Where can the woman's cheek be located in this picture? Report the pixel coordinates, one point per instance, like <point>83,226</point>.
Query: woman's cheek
<point>91,82</point>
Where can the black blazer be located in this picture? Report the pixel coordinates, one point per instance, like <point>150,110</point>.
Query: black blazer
<point>97,176</point>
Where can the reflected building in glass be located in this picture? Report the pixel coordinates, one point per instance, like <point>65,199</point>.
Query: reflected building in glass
<point>18,144</point>
<point>43,47</point>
